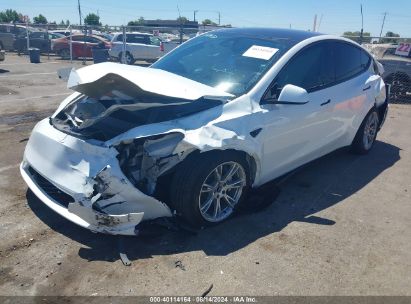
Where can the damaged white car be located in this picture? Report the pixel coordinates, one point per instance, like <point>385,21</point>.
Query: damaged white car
<point>188,136</point>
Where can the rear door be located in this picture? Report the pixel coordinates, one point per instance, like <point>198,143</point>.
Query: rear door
<point>138,44</point>
<point>154,48</point>
<point>354,91</point>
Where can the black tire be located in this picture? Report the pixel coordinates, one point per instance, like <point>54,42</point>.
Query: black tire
<point>65,54</point>
<point>188,180</point>
<point>129,58</point>
<point>360,144</point>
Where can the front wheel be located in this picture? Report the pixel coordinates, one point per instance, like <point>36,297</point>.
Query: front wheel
<point>208,188</point>
<point>366,134</point>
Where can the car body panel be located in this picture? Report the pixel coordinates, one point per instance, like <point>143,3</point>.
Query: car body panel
<point>79,47</point>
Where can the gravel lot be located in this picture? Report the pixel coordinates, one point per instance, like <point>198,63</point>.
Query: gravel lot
<point>339,226</point>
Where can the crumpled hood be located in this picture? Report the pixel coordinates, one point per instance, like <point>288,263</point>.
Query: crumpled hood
<point>147,79</point>
<point>117,98</point>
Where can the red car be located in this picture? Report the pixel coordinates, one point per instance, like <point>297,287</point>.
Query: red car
<point>82,45</point>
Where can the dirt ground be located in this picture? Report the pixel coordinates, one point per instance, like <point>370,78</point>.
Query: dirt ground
<point>339,226</point>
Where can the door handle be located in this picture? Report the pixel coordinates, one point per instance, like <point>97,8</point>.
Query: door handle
<point>367,88</point>
<point>327,102</point>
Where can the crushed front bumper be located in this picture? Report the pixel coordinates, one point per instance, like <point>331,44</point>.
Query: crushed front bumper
<point>82,181</point>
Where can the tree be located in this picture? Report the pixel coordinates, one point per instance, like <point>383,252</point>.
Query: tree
<point>67,22</point>
<point>10,15</point>
<point>182,19</point>
<point>355,36</point>
<point>92,19</point>
<point>208,22</point>
<point>140,21</point>
<point>40,19</point>
<point>390,34</point>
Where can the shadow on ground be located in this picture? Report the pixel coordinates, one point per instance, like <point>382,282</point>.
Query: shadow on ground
<point>315,187</point>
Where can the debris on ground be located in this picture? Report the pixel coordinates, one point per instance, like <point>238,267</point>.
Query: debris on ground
<point>179,264</point>
<point>205,293</point>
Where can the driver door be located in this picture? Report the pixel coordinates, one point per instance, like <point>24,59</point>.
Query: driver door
<point>295,134</point>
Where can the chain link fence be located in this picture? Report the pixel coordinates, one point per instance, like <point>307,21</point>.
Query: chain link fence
<point>395,56</point>
<point>145,44</point>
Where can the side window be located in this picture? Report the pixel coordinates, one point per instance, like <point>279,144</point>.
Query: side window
<point>136,39</point>
<point>119,37</point>
<point>77,38</point>
<point>155,40</point>
<point>92,39</point>
<point>349,61</point>
<point>365,60</point>
<point>36,35</point>
<point>310,69</point>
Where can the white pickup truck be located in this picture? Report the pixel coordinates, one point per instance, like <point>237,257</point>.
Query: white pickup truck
<point>139,46</point>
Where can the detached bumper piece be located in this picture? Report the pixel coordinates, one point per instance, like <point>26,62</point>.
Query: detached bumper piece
<point>64,204</point>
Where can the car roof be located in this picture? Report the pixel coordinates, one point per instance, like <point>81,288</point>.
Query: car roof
<point>139,33</point>
<point>95,36</point>
<point>272,33</point>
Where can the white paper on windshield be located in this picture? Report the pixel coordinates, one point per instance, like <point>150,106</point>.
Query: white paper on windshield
<point>260,52</point>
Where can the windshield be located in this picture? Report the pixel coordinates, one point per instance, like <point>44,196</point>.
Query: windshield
<point>228,61</point>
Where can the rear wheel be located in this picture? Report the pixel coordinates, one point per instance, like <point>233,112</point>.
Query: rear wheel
<point>366,134</point>
<point>212,191</point>
<point>65,54</point>
<point>129,59</point>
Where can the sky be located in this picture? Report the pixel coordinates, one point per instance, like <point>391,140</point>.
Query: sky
<point>333,16</point>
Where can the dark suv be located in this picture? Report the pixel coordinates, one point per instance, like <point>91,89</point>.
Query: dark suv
<point>8,34</point>
<point>397,71</point>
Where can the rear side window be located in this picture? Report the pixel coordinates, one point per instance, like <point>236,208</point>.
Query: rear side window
<point>77,38</point>
<point>155,41</point>
<point>310,69</point>
<point>349,61</point>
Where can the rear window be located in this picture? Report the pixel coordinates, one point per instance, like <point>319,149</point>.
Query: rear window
<point>349,61</point>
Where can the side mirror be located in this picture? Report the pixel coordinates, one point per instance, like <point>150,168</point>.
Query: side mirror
<point>292,94</point>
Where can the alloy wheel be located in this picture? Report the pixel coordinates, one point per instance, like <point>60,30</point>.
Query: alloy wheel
<point>370,130</point>
<point>221,191</point>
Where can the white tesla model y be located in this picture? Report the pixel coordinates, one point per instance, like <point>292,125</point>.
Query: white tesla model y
<point>224,112</point>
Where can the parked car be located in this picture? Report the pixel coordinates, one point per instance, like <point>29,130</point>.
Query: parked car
<point>66,32</point>
<point>397,74</point>
<point>8,34</point>
<point>2,55</point>
<point>81,45</point>
<point>397,66</point>
<point>40,40</point>
<point>106,36</point>
<point>139,46</point>
<point>189,136</point>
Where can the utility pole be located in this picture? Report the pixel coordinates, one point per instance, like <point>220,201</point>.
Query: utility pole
<point>79,11</point>
<point>382,26</point>
<point>219,18</point>
<point>195,15</point>
<point>362,26</point>
<point>315,22</point>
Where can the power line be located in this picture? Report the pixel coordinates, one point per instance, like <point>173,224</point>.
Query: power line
<point>382,26</point>
<point>79,11</point>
